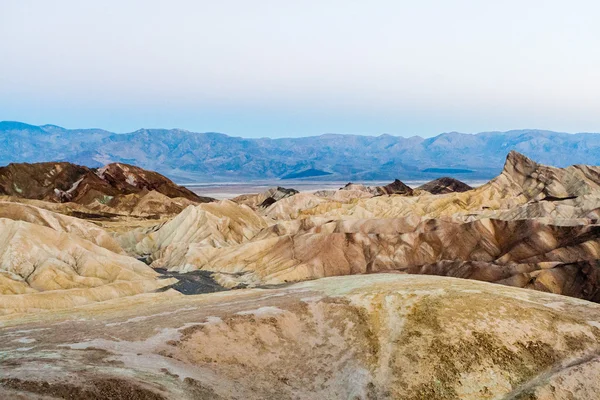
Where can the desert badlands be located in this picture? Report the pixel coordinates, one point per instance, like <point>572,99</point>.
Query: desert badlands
<point>116,283</point>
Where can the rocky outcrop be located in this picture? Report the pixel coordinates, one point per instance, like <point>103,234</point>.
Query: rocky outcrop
<point>368,337</point>
<point>265,199</point>
<point>50,181</point>
<point>445,185</point>
<point>291,207</point>
<point>131,179</point>
<point>540,182</point>
<point>108,188</point>
<point>396,187</point>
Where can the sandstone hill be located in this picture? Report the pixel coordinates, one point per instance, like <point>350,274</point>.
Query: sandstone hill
<point>53,261</point>
<point>42,268</point>
<point>60,223</point>
<point>213,225</point>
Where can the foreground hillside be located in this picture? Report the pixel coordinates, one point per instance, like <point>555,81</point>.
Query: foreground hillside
<point>357,337</point>
<point>184,155</point>
<point>348,293</point>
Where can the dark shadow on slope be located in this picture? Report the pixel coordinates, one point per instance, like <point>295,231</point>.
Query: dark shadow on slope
<point>194,282</point>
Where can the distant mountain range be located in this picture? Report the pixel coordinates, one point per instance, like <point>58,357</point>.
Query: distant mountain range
<point>186,156</point>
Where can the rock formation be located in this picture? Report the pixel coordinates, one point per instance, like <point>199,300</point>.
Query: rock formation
<point>265,199</point>
<point>445,185</point>
<point>521,182</point>
<point>364,246</point>
<point>396,187</point>
<point>112,188</point>
<point>213,225</point>
<point>539,232</point>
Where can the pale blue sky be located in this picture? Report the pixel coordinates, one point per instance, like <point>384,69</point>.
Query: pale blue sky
<point>296,68</point>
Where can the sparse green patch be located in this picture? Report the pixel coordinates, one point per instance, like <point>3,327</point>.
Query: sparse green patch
<point>105,199</point>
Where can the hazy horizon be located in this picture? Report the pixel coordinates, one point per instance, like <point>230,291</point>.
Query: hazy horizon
<point>272,69</point>
<point>299,136</point>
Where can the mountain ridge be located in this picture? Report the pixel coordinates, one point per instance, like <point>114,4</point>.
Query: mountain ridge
<point>187,156</point>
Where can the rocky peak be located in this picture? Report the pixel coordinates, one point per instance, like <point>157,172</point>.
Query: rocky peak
<point>540,182</point>
<point>39,181</point>
<point>396,187</point>
<point>445,185</point>
<point>275,194</point>
<point>354,186</point>
<point>518,165</point>
<point>132,179</point>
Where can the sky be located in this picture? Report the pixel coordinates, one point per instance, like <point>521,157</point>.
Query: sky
<point>297,68</point>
